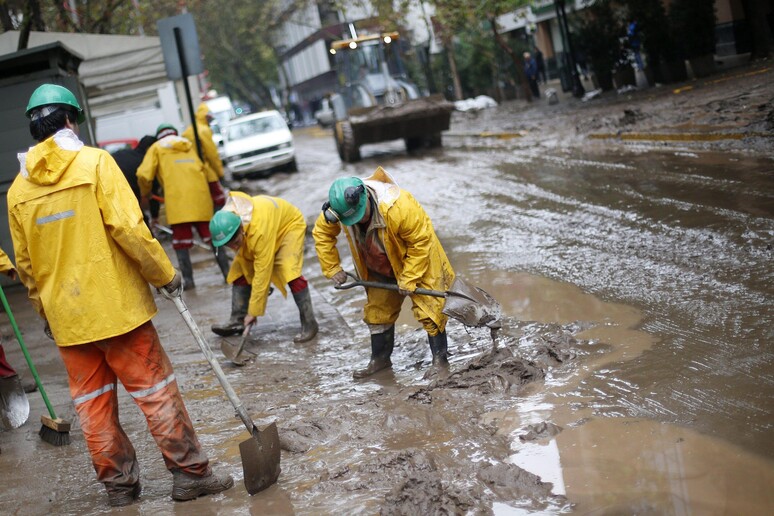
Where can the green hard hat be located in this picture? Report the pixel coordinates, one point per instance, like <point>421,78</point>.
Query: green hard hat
<point>166,129</point>
<point>48,94</point>
<point>348,199</point>
<point>223,226</point>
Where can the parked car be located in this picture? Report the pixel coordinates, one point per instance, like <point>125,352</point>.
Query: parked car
<point>115,145</point>
<point>258,143</point>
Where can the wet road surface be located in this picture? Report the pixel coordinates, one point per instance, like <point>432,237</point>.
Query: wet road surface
<point>633,373</point>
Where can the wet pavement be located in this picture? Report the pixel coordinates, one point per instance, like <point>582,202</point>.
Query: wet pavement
<point>633,374</point>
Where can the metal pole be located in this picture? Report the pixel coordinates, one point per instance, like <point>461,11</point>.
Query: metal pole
<point>577,87</point>
<point>184,71</point>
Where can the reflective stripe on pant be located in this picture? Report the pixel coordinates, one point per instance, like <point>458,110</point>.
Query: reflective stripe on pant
<point>383,308</point>
<point>140,363</point>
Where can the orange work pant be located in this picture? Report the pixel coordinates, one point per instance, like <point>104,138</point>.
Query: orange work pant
<point>138,360</point>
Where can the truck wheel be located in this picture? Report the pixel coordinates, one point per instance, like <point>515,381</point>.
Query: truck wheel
<point>413,144</point>
<point>292,166</point>
<point>349,152</point>
<point>434,140</point>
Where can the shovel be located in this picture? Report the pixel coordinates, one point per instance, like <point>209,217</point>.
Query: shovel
<point>261,453</point>
<point>234,353</point>
<point>14,406</point>
<point>468,304</point>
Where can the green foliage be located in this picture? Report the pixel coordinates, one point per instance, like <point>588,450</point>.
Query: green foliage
<point>599,36</point>
<point>654,26</point>
<point>693,22</point>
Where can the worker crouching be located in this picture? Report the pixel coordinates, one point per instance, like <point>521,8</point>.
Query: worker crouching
<point>392,240</point>
<point>267,234</point>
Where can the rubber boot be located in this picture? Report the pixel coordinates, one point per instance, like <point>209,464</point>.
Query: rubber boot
<point>381,350</point>
<point>223,262</point>
<point>309,326</point>
<point>184,262</point>
<point>240,299</point>
<point>124,496</point>
<point>187,487</point>
<point>440,367</point>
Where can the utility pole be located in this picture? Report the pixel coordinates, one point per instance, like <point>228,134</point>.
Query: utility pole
<point>577,88</point>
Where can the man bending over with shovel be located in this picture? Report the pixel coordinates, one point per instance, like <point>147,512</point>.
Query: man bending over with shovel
<point>392,241</point>
<point>86,257</point>
<point>267,234</point>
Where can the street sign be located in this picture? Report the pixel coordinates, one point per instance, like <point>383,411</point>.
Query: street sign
<point>180,46</point>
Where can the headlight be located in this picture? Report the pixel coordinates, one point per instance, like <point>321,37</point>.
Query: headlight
<point>283,145</point>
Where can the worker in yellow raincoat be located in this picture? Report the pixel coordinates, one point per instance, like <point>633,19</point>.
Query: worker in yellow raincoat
<point>187,199</point>
<point>209,153</point>
<point>86,258</point>
<point>392,241</point>
<point>268,235</point>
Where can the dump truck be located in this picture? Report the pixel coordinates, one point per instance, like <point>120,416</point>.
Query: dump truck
<point>376,102</point>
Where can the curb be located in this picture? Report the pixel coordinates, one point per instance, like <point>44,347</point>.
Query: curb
<point>678,137</point>
<point>486,134</point>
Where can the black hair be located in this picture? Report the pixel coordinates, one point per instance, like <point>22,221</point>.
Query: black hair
<point>42,128</point>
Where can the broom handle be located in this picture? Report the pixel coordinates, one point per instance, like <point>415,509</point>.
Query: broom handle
<point>26,353</point>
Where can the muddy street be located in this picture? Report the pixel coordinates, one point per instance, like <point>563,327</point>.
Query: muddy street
<point>633,374</point>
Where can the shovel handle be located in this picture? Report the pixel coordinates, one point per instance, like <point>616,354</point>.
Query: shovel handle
<point>387,286</point>
<point>207,352</point>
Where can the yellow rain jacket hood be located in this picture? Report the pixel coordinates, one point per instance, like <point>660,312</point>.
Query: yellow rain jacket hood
<point>415,253</point>
<point>209,149</point>
<point>174,162</point>
<point>82,248</point>
<point>273,246</point>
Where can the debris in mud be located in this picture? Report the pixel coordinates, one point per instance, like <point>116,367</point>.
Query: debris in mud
<point>426,494</point>
<point>539,431</point>
<point>630,117</point>
<point>510,482</point>
<point>301,436</point>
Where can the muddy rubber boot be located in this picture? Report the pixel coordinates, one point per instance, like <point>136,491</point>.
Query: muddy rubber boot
<point>187,487</point>
<point>121,497</point>
<point>440,366</point>
<point>240,299</point>
<point>184,262</point>
<point>309,326</point>
<point>223,262</point>
<point>381,350</point>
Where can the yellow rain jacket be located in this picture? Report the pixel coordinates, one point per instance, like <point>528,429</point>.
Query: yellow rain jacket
<point>180,172</point>
<point>415,253</point>
<point>82,248</point>
<point>273,248</point>
<point>5,262</point>
<point>209,149</point>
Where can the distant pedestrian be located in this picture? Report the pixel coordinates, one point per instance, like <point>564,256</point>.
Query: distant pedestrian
<point>531,72</point>
<point>541,65</point>
<point>128,161</point>
<point>633,38</point>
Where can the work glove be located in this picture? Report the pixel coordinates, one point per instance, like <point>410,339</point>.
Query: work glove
<point>174,288</point>
<point>11,273</point>
<point>339,278</point>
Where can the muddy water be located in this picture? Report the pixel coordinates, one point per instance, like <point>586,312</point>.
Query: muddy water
<point>632,374</point>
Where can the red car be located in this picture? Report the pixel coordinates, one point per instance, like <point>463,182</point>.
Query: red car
<point>113,145</point>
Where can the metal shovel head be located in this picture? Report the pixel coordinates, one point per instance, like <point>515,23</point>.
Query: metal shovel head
<point>261,458</point>
<point>236,354</point>
<point>471,306</point>
<point>14,406</point>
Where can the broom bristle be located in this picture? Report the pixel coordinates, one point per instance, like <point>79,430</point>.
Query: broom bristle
<point>54,431</point>
<point>53,437</point>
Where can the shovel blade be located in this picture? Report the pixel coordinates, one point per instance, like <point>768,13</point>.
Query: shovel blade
<point>471,305</point>
<point>261,458</point>
<point>233,353</point>
<point>14,406</point>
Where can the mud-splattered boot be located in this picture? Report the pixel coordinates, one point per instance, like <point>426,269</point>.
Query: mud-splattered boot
<point>184,262</point>
<point>187,487</point>
<point>438,345</point>
<point>223,262</point>
<point>309,326</point>
<point>240,299</point>
<point>123,496</point>
<point>381,350</point>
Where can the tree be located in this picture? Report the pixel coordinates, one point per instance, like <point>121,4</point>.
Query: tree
<point>694,21</point>
<point>756,15</point>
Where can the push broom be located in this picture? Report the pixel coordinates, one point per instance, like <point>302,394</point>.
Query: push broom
<point>53,430</point>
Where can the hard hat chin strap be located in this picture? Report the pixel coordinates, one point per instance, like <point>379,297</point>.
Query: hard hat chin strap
<point>43,112</point>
